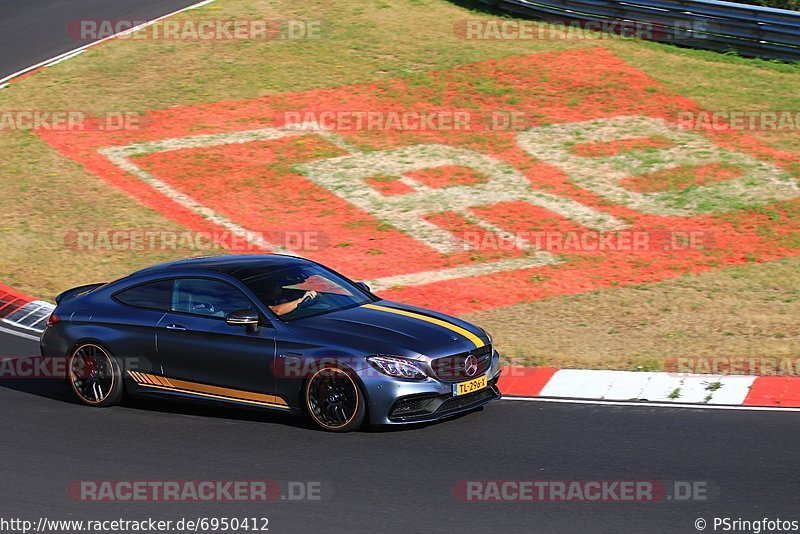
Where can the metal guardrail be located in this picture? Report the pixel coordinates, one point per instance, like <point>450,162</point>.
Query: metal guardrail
<point>747,30</point>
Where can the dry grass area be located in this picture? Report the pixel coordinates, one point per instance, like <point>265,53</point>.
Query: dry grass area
<point>749,311</point>
<point>36,254</point>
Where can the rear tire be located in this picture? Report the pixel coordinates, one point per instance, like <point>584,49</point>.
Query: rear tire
<point>94,376</point>
<point>334,400</point>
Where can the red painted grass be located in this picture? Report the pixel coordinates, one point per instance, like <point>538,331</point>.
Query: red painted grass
<point>612,148</point>
<point>256,185</point>
<point>388,185</point>
<point>681,177</point>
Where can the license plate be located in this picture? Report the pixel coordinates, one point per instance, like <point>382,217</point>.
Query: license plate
<point>470,386</point>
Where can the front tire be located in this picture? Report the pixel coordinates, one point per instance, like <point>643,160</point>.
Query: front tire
<point>334,400</point>
<point>95,376</point>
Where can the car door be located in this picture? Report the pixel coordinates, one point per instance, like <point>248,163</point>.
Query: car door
<point>135,324</point>
<point>196,345</point>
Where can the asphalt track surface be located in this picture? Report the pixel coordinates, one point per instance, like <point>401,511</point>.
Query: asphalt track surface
<point>398,480</point>
<point>376,480</point>
<point>17,342</point>
<point>32,31</point>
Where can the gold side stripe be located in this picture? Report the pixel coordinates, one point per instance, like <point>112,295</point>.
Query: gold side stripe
<point>478,342</point>
<point>137,376</point>
<point>220,397</point>
<point>163,381</point>
<point>194,388</point>
<point>226,392</point>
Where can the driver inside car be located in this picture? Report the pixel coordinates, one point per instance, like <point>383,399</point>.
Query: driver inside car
<point>273,297</point>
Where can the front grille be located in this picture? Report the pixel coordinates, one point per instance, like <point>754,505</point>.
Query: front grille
<point>463,401</point>
<point>419,407</point>
<point>413,406</point>
<point>451,368</point>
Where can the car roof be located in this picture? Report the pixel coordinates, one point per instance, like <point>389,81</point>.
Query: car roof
<point>241,266</point>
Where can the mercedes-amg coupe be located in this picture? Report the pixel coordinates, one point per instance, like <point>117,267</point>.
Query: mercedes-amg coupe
<point>270,331</point>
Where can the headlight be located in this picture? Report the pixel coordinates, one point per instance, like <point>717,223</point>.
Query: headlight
<point>396,367</point>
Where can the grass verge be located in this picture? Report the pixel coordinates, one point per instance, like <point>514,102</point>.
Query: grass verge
<point>373,40</point>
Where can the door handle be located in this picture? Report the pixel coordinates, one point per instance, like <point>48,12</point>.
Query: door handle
<point>175,327</point>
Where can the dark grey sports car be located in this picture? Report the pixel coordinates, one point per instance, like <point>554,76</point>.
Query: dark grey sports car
<point>270,331</point>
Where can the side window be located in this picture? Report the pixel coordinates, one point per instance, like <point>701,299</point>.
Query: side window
<point>212,298</point>
<point>155,295</point>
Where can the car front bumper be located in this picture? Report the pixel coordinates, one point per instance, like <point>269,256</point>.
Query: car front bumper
<point>394,401</point>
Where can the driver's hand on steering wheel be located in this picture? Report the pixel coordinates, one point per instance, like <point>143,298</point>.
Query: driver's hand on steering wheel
<point>310,295</point>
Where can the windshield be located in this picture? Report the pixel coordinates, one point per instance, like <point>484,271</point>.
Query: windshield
<point>302,291</point>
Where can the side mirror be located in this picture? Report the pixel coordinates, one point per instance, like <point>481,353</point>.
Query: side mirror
<point>247,318</point>
<point>363,286</point>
